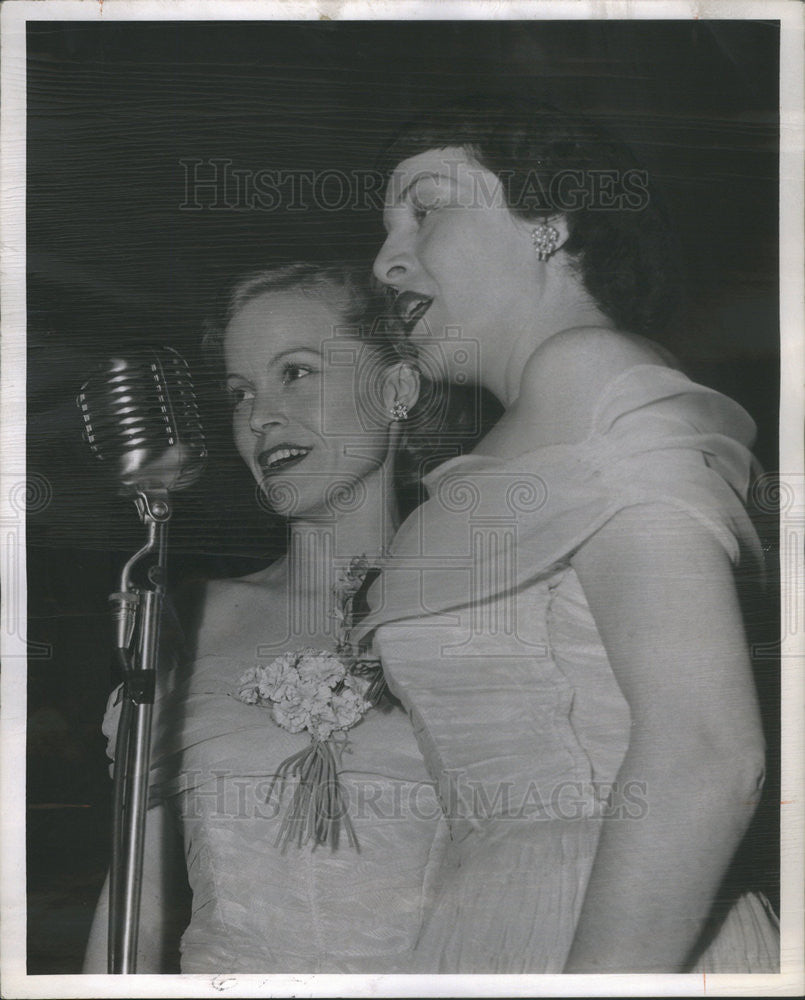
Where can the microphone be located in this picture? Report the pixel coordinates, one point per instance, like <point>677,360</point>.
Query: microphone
<point>141,417</point>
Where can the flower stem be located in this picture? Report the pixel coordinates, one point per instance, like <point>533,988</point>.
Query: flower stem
<point>317,806</point>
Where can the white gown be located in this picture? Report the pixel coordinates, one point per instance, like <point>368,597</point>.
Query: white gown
<point>518,714</point>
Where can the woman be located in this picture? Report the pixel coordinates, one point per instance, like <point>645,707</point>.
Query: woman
<point>560,617</point>
<point>331,871</point>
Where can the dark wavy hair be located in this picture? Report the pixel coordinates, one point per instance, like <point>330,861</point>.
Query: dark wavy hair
<point>550,161</point>
<point>447,420</point>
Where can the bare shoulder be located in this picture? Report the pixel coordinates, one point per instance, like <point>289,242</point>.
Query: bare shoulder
<point>227,610</point>
<point>564,378</point>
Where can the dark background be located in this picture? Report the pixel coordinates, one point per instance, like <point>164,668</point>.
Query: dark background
<point>113,109</point>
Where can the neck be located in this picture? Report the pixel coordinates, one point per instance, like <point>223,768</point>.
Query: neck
<point>321,547</point>
<point>563,305</point>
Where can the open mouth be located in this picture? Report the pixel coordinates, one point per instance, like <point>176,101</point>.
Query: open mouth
<point>282,456</point>
<point>410,307</point>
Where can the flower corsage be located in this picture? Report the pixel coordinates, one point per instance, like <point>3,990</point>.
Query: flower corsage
<point>326,693</point>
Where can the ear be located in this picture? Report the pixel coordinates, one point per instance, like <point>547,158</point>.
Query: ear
<point>559,223</point>
<point>401,385</point>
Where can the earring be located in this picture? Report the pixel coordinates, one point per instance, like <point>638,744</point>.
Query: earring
<point>544,237</point>
<point>399,411</point>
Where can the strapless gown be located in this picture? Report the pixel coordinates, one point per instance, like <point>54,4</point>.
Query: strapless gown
<point>488,641</point>
<point>259,908</point>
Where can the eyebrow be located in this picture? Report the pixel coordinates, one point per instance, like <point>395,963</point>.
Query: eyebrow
<point>414,180</point>
<point>280,356</point>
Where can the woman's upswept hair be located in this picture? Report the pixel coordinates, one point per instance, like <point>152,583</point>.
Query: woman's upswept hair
<point>549,161</point>
<point>447,420</point>
<point>358,303</point>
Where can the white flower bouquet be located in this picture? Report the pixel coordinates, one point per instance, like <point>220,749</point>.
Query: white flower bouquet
<point>323,693</point>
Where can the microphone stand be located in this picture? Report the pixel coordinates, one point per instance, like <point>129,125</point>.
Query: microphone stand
<point>137,614</point>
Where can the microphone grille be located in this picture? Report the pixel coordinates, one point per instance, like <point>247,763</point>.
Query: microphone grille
<point>140,413</point>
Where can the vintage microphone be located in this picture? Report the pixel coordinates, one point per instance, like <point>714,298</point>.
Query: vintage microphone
<point>140,418</point>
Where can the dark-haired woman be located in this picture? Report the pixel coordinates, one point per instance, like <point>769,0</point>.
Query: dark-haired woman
<point>310,828</point>
<point>560,617</point>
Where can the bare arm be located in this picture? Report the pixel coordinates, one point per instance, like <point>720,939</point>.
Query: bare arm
<point>662,594</point>
<point>162,897</point>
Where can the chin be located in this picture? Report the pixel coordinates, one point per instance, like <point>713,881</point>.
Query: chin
<point>288,497</point>
<point>281,496</point>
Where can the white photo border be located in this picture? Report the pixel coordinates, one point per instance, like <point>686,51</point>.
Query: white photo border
<point>15,15</point>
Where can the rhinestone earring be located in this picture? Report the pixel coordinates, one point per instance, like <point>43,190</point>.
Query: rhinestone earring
<point>399,411</point>
<point>544,237</point>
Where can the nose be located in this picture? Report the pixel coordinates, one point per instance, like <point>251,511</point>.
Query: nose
<point>266,414</point>
<point>393,263</point>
